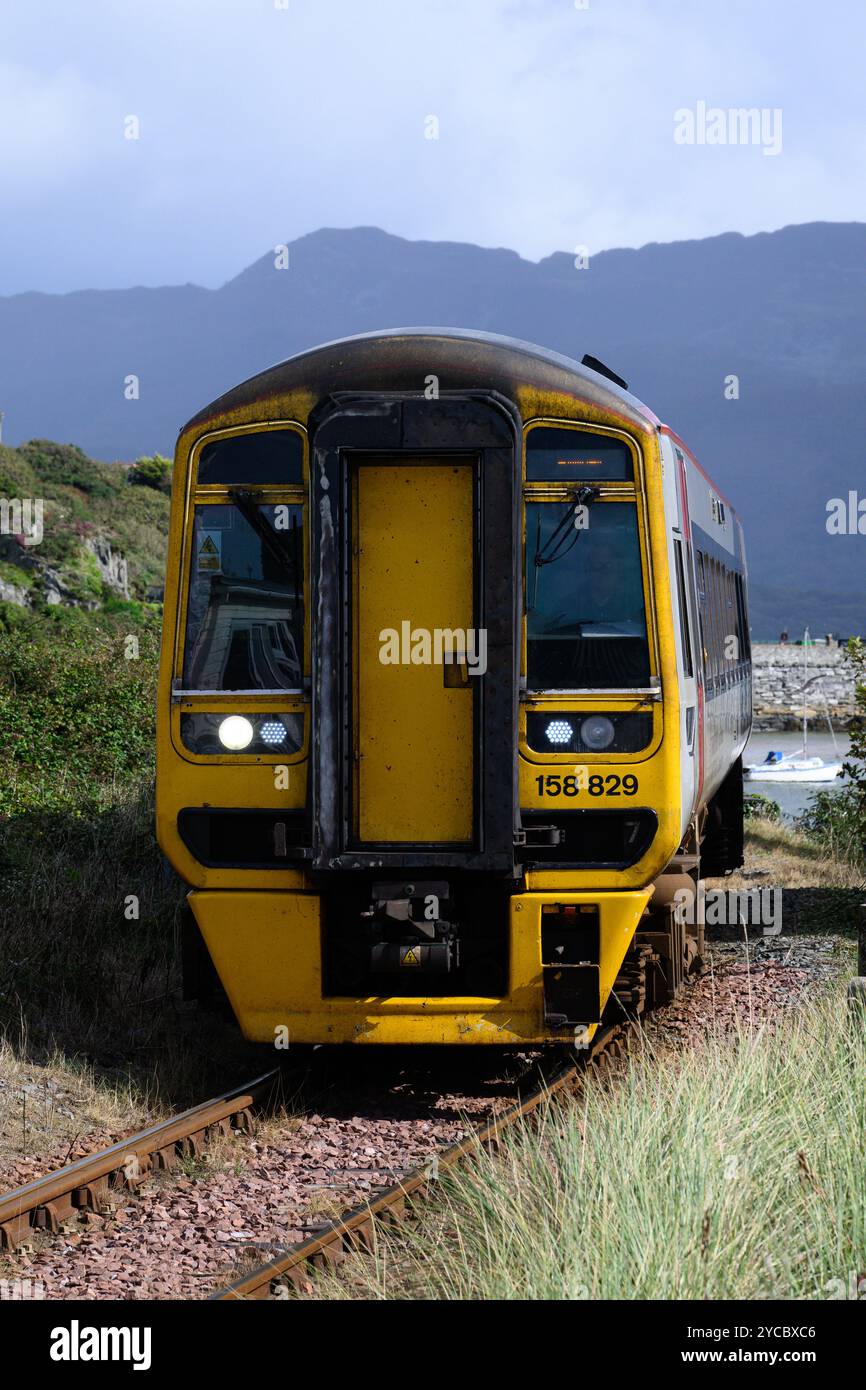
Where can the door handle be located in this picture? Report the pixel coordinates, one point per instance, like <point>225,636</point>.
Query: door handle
<point>455,671</point>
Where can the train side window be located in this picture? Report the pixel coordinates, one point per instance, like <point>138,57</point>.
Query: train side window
<point>733,617</point>
<point>702,608</point>
<point>716,592</point>
<point>262,456</point>
<point>724,620</point>
<point>688,663</point>
<point>745,642</point>
<point>711,617</point>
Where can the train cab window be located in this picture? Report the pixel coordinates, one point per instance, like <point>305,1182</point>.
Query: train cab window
<point>585,613</point>
<point>245,611</point>
<point>558,455</point>
<point>270,457</point>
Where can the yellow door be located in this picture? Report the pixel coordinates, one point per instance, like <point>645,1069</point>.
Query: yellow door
<point>413,744</point>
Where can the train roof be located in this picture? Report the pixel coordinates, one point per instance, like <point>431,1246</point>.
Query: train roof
<point>399,359</point>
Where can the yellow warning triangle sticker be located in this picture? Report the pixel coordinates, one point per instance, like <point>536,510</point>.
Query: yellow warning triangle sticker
<point>208,546</point>
<point>410,957</point>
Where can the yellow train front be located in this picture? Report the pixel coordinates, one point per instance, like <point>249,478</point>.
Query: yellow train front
<point>424,752</point>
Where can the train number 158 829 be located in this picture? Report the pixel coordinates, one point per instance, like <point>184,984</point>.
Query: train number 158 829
<point>596,785</point>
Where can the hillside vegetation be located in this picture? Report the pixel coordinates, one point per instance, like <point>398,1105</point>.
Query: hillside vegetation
<point>104,527</point>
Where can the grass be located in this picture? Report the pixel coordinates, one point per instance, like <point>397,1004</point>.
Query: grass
<point>734,1171</point>
<point>89,908</point>
<point>791,858</point>
<point>821,889</point>
<point>44,1109</point>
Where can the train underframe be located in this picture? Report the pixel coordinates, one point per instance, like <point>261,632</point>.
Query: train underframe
<point>456,960</point>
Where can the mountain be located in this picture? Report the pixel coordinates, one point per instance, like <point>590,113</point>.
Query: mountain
<point>782,311</point>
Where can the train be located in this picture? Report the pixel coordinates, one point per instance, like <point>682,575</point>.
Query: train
<point>454,688</point>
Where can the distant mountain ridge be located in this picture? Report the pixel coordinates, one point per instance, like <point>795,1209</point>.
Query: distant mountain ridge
<point>781,311</point>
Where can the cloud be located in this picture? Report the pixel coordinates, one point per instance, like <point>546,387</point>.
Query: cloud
<point>259,124</point>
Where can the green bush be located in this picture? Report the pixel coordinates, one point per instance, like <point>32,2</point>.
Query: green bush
<point>75,713</point>
<point>758,807</point>
<point>838,817</point>
<point>17,478</point>
<point>152,472</point>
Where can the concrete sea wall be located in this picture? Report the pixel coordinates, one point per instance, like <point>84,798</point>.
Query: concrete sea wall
<point>777,699</point>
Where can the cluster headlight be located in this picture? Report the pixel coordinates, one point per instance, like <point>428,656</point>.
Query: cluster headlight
<point>559,732</point>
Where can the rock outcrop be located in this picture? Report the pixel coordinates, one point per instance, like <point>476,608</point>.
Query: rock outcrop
<point>112,566</point>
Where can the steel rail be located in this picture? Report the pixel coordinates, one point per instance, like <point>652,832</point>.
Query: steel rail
<point>45,1202</point>
<point>353,1230</point>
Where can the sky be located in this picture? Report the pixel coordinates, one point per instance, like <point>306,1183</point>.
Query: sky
<point>556,126</point>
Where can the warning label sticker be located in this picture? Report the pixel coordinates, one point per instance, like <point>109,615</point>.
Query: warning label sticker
<point>410,956</point>
<point>210,551</point>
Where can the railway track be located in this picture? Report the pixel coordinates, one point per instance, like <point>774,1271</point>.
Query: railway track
<point>88,1184</point>
<point>354,1230</point>
<point>46,1202</point>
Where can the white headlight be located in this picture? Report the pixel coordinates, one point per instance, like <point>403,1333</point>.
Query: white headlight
<point>559,731</point>
<point>235,732</point>
<point>597,732</point>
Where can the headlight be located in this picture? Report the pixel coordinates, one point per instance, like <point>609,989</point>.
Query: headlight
<point>209,733</point>
<point>235,733</point>
<point>597,732</point>
<point>601,731</point>
<point>559,732</point>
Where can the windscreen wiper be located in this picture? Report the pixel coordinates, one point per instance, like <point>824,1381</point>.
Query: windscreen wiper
<point>276,546</point>
<point>559,543</point>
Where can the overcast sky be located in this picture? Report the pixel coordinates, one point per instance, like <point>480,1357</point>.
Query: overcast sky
<point>261,120</point>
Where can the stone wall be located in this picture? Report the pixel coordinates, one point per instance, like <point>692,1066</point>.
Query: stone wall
<point>778,685</point>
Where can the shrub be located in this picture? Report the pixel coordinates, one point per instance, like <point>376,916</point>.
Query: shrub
<point>758,807</point>
<point>152,472</point>
<point>75,713</point>
<point>838,817</point>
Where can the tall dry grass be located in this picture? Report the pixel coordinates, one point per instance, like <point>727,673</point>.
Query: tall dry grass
<point>733,1171</point>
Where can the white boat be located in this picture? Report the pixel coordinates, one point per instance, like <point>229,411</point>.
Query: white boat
<point>792,768</point>
<point>796,767</point>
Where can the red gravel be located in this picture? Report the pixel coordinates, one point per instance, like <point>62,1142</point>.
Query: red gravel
<point>730,996</point>
<point>183,1236</point>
